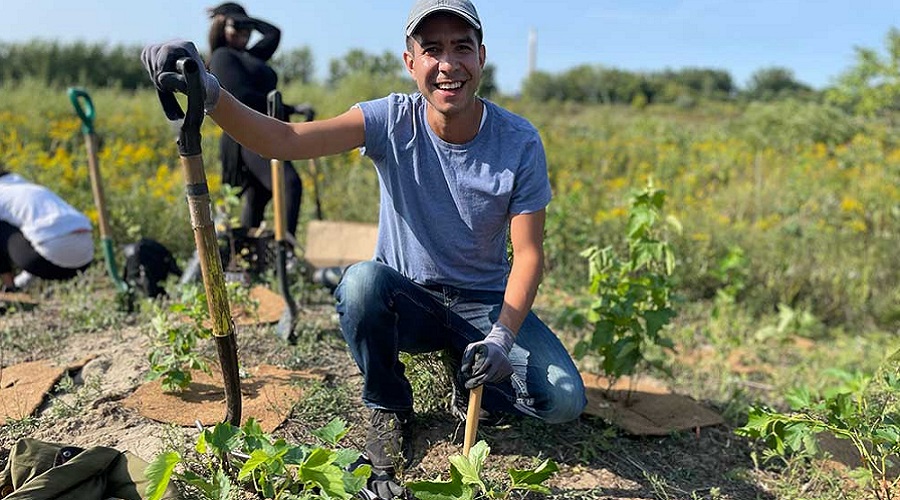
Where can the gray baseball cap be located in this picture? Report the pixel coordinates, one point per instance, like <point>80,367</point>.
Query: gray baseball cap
<point>424,8</point>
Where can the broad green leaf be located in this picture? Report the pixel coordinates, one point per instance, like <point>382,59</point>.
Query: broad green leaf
<point>224,438</point>
<point>604,333</point>
<point>534,476</point>
<point>656,320</point>
<point>639,221</point>
<point>441,490</point>
<point>466,469</point>
<point>356,480</point>
<point>329,479</point>
<point>478,454</point>
<point>257,458</point>
<point>332,432</point>
<point>159,473</point>
<point>223,485</point>
<point>318,457</point>
<point>345,457</point>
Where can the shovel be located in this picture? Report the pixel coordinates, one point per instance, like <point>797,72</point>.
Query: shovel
<point>285,327</point>
<point>472,413</point>
<point>188,81</point>
<point>85,111</point>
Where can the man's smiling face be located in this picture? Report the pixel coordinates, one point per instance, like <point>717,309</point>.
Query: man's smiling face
<point>445,59</point>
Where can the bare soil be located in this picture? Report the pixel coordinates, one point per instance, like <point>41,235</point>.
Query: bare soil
<point>597,461</point>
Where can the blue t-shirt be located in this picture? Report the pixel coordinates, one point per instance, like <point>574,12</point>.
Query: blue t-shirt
<point>445,208</point>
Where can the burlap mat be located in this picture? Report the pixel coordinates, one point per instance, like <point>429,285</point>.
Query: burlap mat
<point>271,307</point>
<point>651,409</point>
<point>24,386</point>
<point>269,310</point>
<point>268,396</point>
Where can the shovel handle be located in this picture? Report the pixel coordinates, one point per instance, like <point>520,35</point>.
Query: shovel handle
<point>275,108</point>
<point>188,80</point>
<point>84,108</point>
<point>84,111</point>
<point>472,413</point>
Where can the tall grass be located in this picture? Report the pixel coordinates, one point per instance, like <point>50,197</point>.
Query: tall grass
<point>807,193</point>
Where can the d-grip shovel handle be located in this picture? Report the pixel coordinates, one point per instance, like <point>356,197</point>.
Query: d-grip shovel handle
<point>86,113</point>
<point>188,81</point>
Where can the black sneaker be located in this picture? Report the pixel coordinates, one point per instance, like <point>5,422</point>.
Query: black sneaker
<point>389,439</point>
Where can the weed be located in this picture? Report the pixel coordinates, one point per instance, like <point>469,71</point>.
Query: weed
<point>245,457</point>
<point>71,399</point>
<point>321,400</point>
<point>862,409</point>
<point>467,479</point>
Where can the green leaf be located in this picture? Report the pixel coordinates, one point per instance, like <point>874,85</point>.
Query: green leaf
<point>468,472</point>
<point>319,469</point>
<point>640,220</point>
<point>345,457</point>
<point>604,333</point>
<point>536,476</point>
<point>159,473</point>
<point>332,432</point>
<point>224,438</point>
<point>319,457</point>
<point>441,490</point>
<point>355,481</point>
<point>223,485</point>
<point>657,319</point>
<point>257,458</point>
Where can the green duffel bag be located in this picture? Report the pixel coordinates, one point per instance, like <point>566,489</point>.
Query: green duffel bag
<point>38,470</point>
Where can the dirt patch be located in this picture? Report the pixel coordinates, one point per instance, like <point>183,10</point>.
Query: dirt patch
<point>597,460</point>
<point>267,394</point>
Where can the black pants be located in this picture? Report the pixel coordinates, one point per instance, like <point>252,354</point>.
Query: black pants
<point>17,251</point>
<point>257,191</point>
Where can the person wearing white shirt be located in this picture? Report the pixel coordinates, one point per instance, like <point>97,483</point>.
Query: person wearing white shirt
<point>40,234</point>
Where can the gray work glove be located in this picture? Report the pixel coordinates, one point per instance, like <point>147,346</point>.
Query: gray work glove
<point>383,483</point>
<point>488,360</point>
<point>161,58</point>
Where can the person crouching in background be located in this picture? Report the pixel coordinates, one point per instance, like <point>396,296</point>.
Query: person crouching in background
<point>40,234</point>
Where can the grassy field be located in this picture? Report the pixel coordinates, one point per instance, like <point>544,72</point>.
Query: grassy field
<point>784,219</point>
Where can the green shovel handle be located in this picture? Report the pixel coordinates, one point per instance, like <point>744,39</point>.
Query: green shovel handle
<point>86,113</point>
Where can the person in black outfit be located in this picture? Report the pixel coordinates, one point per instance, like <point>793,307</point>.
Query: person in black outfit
<point>243,71</point>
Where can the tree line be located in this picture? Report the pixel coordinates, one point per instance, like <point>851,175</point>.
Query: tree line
<point>871,86</point>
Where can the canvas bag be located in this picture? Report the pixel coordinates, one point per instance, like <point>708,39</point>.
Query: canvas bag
<point>38,470</point>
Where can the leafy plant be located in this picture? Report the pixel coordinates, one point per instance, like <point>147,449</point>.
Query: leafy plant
<point>467,480</point>
<point>235,457</point>
<point>174,353</point>
<point>862,409</point>
<point>181,328</point>
<point>632,291</point>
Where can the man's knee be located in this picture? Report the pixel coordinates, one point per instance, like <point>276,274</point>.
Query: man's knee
<point>360,282</point>
<point>567,400</point>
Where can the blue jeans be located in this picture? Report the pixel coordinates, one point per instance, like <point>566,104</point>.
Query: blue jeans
<point>382,313</point>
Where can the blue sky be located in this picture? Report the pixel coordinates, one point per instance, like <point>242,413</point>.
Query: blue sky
<point>815,39</point>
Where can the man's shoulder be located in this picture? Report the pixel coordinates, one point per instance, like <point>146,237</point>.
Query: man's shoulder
<point>394,104</point>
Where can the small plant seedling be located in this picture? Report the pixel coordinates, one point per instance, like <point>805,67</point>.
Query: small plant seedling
<point>467,479</point>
